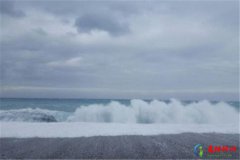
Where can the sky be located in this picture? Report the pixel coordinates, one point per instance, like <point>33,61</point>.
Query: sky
<point>125,49</point>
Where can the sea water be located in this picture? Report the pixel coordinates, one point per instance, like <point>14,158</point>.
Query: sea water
<point>90,117</point>
<point>122,111</point>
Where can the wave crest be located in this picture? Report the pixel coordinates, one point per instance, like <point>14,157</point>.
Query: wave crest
<point>140,111</point>
<point>31,115</point>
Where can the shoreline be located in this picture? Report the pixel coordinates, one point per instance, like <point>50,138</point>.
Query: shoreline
<point>87,129</point>
<point>115,147</point>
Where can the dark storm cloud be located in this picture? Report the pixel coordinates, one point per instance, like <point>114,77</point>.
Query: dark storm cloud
<point>90,22</point>
<point>8,8</point>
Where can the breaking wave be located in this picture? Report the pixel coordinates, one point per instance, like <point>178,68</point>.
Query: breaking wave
<point>32,115</point>
<point>138,111</point>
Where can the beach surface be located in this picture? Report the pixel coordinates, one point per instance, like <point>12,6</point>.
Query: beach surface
<point>116,147</point>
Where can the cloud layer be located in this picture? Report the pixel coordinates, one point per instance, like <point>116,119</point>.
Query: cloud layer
<point>187,50</point>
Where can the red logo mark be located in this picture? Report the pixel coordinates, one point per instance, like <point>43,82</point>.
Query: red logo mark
<point>217,149</point>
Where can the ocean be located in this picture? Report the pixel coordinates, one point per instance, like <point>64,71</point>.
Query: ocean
<point>114,110</point>
<point>89,117</point>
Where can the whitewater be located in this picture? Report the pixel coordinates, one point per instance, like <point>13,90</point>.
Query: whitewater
<point>139,117</point>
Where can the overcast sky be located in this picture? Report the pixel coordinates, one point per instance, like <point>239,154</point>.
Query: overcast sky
<point>106,49</point>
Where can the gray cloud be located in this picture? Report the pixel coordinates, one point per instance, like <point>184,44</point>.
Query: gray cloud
<point>8,8</point>
<point>90,22</point>
<point>146,50</point>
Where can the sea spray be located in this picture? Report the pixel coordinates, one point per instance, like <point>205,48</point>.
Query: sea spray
<point>156,111</point>
<point>138,111</point>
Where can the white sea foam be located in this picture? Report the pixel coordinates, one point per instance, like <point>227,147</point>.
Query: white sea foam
<point>137,118</point>
<point>86,129</point>
<point>157,112</point>
<point>138,111</point>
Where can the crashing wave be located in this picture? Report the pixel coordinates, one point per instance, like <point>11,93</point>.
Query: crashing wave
<point>30,115</point>
<point>138,111</point>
